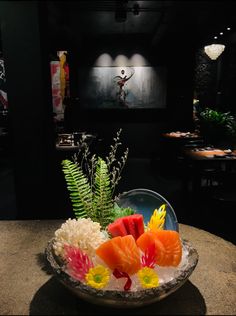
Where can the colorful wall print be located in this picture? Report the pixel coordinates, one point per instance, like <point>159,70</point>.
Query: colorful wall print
<point>3,90</point>
<point>56,90</point>
<point>60,84</point>
<point>126,87</point>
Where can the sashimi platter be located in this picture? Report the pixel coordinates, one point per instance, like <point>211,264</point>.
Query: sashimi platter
<point>123,252</point>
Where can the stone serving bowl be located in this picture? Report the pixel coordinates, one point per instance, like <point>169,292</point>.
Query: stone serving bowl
<point>124,299</point>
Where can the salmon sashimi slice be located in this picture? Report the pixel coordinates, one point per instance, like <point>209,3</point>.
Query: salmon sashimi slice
<point>132,255</point>
<point>146,240</point>
<point>168,247</point>
<point>110,252</point>
<point>120,253</point>
<point>173,247</point>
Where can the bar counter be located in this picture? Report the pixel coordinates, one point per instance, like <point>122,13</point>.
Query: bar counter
<point>27,286</point>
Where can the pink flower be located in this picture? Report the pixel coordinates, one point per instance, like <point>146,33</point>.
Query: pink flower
<point>148,259</point>
<point>78,263</point>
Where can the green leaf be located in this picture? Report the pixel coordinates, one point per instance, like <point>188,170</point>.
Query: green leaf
<point>121,212</point>
<point>79,189</point>
<point>102,202</point>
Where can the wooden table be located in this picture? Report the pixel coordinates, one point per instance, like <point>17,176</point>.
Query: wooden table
<point>182,135</point>
<point>214,154</point>
<point>171,149</point>
<point>208,162</point>
<point>211,157</point>
<point>67,147</point>
<point>28,288</point>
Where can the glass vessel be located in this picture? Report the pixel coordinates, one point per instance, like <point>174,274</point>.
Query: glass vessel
<point>125,299</point>
<point>145,201</point>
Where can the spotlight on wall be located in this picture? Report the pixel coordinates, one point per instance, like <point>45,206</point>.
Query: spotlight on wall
<point>214,50</point>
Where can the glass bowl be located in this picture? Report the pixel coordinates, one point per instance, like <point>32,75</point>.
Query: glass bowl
<point>124,299</point>
<point>144,202</point>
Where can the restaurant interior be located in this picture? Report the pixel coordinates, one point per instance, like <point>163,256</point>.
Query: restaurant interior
<point>72,69</point>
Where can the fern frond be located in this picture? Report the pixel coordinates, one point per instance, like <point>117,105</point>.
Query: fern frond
<point>80,191</point>
<point>103,203</point>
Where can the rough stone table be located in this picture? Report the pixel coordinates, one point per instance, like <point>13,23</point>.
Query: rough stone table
<point>28,288</point>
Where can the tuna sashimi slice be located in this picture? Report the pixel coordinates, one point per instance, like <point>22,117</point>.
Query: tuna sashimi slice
<point>127,225</point>
<point>117,228</point>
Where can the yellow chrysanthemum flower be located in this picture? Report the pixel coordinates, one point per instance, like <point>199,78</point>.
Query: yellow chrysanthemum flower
<point>157,220</point>
<point>148,277</point>
<point>98,277</point>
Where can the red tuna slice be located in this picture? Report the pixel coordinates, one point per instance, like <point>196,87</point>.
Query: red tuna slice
<point>130,226</point>
<point>138,219</point>
<point>117,228</point>
<point>127,225</point>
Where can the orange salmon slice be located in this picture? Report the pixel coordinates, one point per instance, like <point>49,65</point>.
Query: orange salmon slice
<point>121,253</point>
<point>168,246</point>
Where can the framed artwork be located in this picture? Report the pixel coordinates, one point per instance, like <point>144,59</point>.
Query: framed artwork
<point>125,87</point>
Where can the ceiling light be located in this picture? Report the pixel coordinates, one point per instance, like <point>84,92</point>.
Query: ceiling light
<point>215,37</point>
<point>221,33</point>
<point>214,51</point>
<point>228,28</point>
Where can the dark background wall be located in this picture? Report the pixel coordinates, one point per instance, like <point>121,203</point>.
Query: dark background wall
<point>30,122</point>
<point>141,127</point>
<point>228,77</point>
<point>28,42</point>
<point>215,80</point>
<point>27,46</point>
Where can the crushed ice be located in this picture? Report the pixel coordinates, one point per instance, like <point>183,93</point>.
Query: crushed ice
<point>165,274</point>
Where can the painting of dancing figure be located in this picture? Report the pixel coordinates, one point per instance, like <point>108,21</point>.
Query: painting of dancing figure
<point>121,81</point>
<point>125,88</point>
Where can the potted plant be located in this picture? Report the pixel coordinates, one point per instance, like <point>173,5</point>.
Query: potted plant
<point>218,128</point>
<point>232,133</point>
